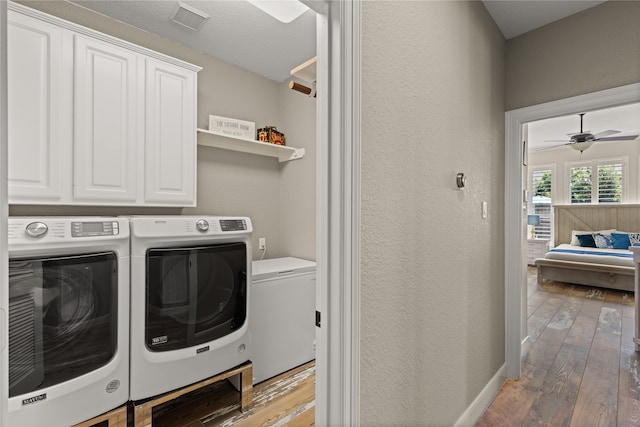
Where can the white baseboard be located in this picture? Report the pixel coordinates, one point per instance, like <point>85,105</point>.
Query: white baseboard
<point>482,401</point>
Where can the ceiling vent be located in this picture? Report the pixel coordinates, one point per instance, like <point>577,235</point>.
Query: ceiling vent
<point>189,17</point>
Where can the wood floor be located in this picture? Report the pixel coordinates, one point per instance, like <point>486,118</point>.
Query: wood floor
<point>286,400</point>
<point>579,367</point>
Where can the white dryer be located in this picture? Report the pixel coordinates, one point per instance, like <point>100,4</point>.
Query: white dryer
<point>189,299</point>
<point>282,313</point>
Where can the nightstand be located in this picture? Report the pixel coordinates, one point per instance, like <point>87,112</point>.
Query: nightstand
<point>536,248</point>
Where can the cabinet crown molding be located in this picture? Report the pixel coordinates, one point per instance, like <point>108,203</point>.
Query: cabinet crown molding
<point>34,13</point>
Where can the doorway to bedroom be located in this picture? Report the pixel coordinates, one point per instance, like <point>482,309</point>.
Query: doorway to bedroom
<point>517,229</point>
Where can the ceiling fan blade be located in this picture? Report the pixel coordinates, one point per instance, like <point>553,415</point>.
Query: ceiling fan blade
<point>618,138</point>
<point>551,147</point>
<point>558,140</point>
<point>606,133</point>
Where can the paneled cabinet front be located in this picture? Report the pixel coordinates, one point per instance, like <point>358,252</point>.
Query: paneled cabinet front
<point>38,117</point>
<point>106,122</point>
<point>96,121</point>
<point>170,121</point>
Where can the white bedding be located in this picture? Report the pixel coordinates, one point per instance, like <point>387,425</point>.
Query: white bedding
<point>592,255</point>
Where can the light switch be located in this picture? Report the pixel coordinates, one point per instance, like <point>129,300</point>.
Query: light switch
<point>485,210</point>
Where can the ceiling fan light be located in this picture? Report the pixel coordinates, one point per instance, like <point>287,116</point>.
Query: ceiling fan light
<point>283,10</point>
<point>581,146</point>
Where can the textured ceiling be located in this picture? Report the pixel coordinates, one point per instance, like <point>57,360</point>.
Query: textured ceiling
<point>236,32</point>
<point>241,34</point>
<point>625,118</point>
<point>518,17</point>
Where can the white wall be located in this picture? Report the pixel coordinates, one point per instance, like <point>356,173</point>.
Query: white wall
<point>432,284</point>
<point>275,196</point>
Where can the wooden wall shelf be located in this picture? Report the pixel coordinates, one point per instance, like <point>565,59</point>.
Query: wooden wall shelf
<point>215,139</point>
<point>306,71</point>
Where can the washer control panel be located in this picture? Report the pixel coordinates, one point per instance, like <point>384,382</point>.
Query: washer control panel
<point>233,225</point>
<point>94,228</point>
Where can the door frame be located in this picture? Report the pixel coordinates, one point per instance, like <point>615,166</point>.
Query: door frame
<point>338,212</point>
<point>4,208</point>
<point>513,185</point>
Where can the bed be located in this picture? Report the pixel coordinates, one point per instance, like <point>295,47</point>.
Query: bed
<point>571,263</point>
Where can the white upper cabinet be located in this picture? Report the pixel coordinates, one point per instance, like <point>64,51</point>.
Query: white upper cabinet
<point>106,121</point>
<point>170,155</point>
<point>95,120</point>
<point>36,111</point>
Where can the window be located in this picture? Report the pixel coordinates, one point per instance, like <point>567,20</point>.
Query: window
<point>580,184</point>
<point>606,188</point>
<point>610,183</point>
<point>541,181</point>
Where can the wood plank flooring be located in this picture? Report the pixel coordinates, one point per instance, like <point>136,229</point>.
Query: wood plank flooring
<point>579,369</point>
<point>285,400</point>
<point>579,365</point>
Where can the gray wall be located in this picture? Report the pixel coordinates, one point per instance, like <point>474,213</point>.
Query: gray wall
<point>432,296</point>
<point>593,50</point>
<point>279,198</point>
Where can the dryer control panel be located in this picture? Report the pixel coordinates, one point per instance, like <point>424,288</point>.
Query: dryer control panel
<point>233,224</point>
<point>94,228</point>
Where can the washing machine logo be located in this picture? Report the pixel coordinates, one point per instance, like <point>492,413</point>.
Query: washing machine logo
<point>34,399</point>
<point>113,386</point>
<point>159,340</point>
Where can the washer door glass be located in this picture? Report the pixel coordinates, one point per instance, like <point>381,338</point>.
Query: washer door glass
<point>194,295</point>
<point>62,318</point>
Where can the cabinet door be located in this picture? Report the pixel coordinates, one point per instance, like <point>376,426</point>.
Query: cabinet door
<point>106,122</point>
<point>170,140</point>
<point>36,110</point>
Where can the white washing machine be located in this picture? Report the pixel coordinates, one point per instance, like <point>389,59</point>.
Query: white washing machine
<point>68,319</point>
<point>282,312</point>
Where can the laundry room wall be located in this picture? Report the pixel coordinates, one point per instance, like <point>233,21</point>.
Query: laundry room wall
<point>279,198</point>
<point>298,178</point>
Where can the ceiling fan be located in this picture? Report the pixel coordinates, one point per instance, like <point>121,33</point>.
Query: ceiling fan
<point>584,139</point>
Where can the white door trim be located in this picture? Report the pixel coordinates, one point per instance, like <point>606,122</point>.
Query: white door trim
<point>4,208</point>
<point>514,120</point>
<point>338,215</point>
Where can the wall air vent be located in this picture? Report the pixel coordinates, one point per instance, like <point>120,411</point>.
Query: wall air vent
<point>189,17</point>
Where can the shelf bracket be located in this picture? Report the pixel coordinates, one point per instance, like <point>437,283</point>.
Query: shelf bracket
<point>298,153</point>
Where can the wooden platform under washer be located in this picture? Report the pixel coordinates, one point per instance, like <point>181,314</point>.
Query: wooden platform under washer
<point>143,412</point>
<point>285,400</point>
<point>115,418</point>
